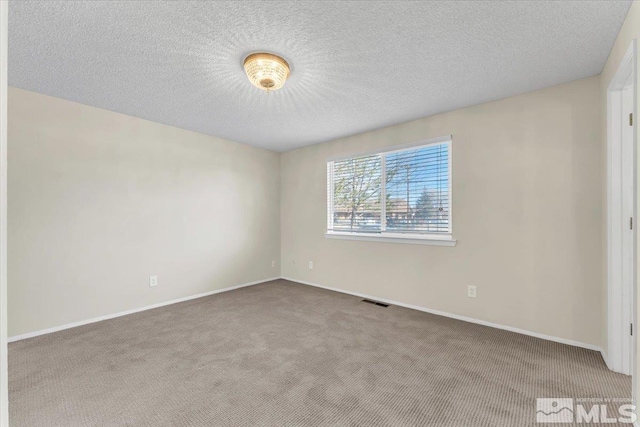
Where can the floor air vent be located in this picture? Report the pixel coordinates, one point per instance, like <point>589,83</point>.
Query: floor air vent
<point>368,301</point>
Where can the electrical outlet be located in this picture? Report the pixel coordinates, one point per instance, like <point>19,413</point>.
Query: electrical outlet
<point>471,291</point>
<point>153,281</point>
<point>310,265</point>
<point>273,264</point>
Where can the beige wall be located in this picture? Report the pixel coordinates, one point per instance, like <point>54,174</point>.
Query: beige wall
<point>527,214</point>
<point>99,201</point>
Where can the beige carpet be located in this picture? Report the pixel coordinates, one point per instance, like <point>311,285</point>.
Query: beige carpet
<point>284,354</point>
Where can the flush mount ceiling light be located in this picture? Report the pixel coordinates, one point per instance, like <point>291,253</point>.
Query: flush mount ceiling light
<point>266,71</point>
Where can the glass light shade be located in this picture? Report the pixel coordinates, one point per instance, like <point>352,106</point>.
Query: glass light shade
<point>266,71</point>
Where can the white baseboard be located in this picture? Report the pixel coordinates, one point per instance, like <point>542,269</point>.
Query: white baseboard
<point>135,310</point>
<point>456,316</point>
<point>387,301</point>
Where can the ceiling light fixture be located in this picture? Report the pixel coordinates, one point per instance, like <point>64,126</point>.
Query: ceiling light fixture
<point>266,71</point>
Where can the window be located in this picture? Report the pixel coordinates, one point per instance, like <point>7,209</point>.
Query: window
<point>401,194</point>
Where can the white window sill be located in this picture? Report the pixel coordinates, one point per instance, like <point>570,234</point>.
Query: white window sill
<point>394,238</point>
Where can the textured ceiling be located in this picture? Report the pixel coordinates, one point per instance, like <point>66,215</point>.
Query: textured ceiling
<point>356,66</point>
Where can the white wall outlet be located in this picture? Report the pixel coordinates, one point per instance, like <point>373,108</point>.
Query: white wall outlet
<point>471,291</point>
<point>153,281</point>
<point>310,265</point>
<point>273,264</point>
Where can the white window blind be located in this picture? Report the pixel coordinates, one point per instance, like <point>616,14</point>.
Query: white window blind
<point>357,194</point>
<point>404,192</point>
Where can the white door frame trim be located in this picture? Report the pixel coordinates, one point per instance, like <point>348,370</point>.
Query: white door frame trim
<point>4,48</point>
<point>620,348</point>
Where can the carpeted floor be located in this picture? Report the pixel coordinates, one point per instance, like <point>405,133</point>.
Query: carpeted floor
<point>284,354</point>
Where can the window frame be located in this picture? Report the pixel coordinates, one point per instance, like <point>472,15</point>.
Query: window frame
<point>439,239</point>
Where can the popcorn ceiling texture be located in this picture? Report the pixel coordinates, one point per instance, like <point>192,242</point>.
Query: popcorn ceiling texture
<point>356,66</point>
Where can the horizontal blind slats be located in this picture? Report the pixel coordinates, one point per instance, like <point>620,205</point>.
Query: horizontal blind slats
<point>417,191</point>
<point>357,190</point>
